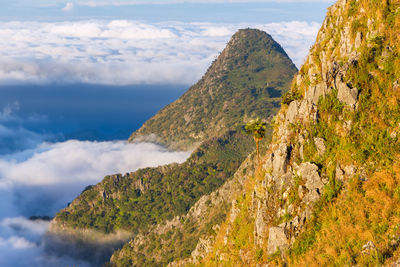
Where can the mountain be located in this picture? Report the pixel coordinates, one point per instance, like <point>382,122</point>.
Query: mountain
<point>245,81</point>
<point>154,206</point>
<point>328,191</point>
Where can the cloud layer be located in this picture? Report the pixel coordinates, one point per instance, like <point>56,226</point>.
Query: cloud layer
<point>122,52</point>
<point>56,173</point>
<point>82,161</point>
<point>21,245</point>
<point>41,181</point>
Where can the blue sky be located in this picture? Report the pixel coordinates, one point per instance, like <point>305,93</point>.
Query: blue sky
<point>210,11</point>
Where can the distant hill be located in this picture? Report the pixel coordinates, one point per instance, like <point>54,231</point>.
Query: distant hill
<point>245,81</point>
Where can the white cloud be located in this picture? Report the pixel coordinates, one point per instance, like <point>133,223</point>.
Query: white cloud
<point>296,37</point>
<point>16,242</point>
<point>121,52</point>
<point>42,181</point>
<point>21,245</point>
<point>21,224</point>
<point>86,162</point>
<point>14,137</point>
<point>68,7</point>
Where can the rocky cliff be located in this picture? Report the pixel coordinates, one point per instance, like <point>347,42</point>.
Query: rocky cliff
<point>327,193</point>
<point>245,81</point>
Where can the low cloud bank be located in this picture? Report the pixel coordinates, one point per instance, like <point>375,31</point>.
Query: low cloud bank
<point>43,180</point>
<point>46,178</point>
<point>122,52</point>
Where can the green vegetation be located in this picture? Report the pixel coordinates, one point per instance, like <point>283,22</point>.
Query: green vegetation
<point>258,129</point>
<point>159,249</point>
<point>246,81</point>
<point>290,96</point>
<point>140,200</point>
<point>148,196</point>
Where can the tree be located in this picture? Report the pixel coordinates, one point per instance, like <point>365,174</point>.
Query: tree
<point>258,128</point>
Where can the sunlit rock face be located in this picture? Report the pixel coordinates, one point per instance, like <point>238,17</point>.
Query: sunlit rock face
<point>319,147</point>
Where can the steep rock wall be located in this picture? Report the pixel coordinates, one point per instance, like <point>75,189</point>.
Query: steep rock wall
<point>339,126</point>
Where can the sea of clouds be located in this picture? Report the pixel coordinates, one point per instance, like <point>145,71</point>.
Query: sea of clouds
<point>121,52</point>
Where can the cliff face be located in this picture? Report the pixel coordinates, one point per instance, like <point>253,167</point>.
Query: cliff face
<point>327,190</point>
<point>246,81</point>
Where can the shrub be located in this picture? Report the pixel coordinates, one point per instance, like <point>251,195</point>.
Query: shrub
<point>290,96</point>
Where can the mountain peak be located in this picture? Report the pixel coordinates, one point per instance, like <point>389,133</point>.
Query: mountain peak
<point>245,81</point>
<point>242,43</point>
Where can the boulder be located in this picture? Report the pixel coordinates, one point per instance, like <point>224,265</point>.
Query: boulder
<point>314,92</point>
<point>292,111</point>
<point>339,173</point>
<point>345,172</point>
<point>350,170</point>
<point>308,111</point>
<point>313,182</point>
<point>396,86</point>
<point>320,144</point>
<point>277,240</point>
<point>368,248</point>
<point>347,95</point>
<point>260,225</point>
<point>280,160</point>
<point>203,247</point>
<point>309,172</point>
<point>358,40</point>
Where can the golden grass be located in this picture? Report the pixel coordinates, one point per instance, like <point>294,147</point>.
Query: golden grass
<point>364,211</point>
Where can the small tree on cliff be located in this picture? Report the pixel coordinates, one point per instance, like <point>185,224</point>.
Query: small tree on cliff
<point>258,128</point>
